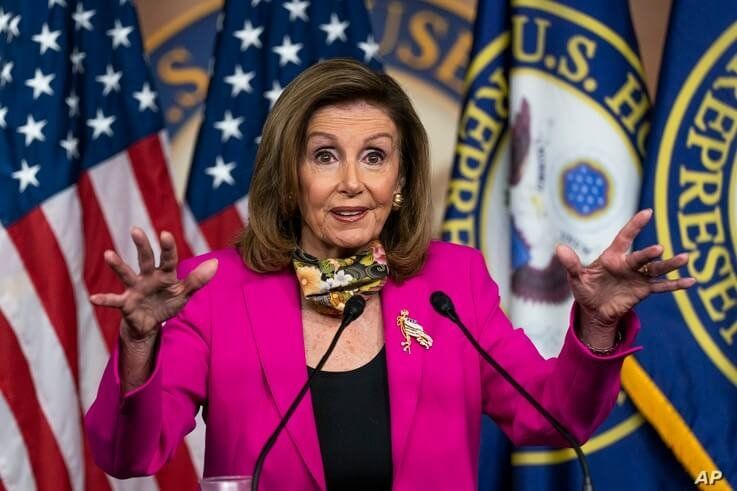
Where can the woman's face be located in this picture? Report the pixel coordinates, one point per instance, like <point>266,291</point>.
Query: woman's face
<point>347,177</point>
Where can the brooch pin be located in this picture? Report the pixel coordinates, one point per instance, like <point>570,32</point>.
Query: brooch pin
<point>412,329</point>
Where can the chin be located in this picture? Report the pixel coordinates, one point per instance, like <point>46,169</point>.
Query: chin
<point>353,244</point>
<point>351,241</point>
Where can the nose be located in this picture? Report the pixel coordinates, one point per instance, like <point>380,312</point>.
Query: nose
<point>350,179</point>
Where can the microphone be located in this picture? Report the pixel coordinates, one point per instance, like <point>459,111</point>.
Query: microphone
<point>353,309</point>
<point>444,306</point>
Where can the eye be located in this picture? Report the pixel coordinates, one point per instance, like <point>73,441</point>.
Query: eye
<point>375,157</point>
<point>323,156</point>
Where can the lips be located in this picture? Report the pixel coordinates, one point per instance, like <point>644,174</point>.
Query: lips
<point>348,214</point>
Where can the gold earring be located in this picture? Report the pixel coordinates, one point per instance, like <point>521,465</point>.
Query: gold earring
<point>397,201</point>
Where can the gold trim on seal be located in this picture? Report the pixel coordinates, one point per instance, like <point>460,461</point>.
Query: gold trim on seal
<point>597,443</point>
<point>179,22</point>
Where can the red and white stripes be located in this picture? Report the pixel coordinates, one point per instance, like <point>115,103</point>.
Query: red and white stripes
<point>53,343</point>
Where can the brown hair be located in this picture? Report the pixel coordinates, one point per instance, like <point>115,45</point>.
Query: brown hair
<point>273,230</point>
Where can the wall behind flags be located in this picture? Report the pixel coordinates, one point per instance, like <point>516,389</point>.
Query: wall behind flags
<point>424,44</point>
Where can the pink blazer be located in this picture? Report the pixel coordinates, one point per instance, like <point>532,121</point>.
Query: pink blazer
<point>237,349</point>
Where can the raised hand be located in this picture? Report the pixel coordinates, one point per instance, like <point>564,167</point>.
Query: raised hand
<point>617,280</point>
<point>154,294</point>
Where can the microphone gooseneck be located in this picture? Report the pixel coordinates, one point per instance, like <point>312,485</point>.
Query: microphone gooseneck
<point>353,309</point>
<point>444,306</point>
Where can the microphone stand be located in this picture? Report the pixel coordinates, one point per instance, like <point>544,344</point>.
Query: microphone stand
<point>444,306</point>
<point>353,309</point>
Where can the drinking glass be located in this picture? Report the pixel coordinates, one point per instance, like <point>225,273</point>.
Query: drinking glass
<point>226,483</point>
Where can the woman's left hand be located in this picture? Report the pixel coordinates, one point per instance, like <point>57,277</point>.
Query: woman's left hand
<point>609,287</point>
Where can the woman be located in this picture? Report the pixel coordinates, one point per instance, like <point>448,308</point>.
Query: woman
<point>340,205</point>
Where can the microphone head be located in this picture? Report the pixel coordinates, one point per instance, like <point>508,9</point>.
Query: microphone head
<point>442,304</point>
<point>353,308</point>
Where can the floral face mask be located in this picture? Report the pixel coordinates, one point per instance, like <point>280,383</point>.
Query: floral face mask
<point>328,283</point>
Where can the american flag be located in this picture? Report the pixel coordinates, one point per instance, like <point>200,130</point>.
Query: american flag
<point>82,159</point>
<point>262,46</point>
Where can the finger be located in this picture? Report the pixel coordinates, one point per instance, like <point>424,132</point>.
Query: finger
<point>169,257</point>
<point>200,276</point>
<point>659,268</point>
<point>107,300</point>
<point>120,268</point>
<point>623,241</point>
<point>638,259</point>
<point>145,253</point>
<point>569,259</point>
<point>662,286</point>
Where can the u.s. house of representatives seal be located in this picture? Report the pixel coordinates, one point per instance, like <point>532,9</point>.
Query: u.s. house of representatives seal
<point>696,198</point>
<point>551,143</point>
<point>550,153</point>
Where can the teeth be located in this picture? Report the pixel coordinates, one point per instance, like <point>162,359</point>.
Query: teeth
<point>348,213</point>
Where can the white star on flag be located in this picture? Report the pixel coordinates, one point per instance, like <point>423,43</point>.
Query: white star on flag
<point>221,172</point>
<point>12,29</point>
<point>26,175</point>
<point>120,34</point>
<point>288,52</point>
<point>40,83</point>
<point>4,20</point>
<point>229,126</point>
<point>76,58</point>
<point>47,39</point>
<point>254,3</point>
<point>335,29</point>
<point>73,103</point>
<point>70,145</point>
<point>369,48</point>
<point>296,9</point>
<point>33,130</point>
<point>82,18</point>
<point>3,113</point>
<point>249,35</point>
<point>240,81</point>
<point>6,75</point>
<point>146,98</point>
<point>111,80</point>
<point>101,124</point>
<point>61,3</point>
<point>273,94</point>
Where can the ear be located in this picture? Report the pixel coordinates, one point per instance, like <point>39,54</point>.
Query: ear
<point>400,184</point>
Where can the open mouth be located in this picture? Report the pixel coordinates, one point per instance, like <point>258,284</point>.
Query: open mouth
<point>346,214</point>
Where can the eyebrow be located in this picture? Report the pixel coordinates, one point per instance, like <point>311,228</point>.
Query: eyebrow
<point>332,137</point>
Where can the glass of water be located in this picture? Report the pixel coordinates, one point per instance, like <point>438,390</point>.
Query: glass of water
<point>226,483</point>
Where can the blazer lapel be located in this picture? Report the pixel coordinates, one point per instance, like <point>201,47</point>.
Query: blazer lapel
<point>273,305</point>
<point>404,368</point>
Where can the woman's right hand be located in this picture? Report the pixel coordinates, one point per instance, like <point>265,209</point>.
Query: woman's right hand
<point>154,294</point>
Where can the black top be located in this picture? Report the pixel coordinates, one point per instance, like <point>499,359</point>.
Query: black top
<point>352,417</point>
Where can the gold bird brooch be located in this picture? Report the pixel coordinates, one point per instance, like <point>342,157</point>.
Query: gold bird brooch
<point>412,329</point>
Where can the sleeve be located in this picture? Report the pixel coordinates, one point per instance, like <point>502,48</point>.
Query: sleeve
<point>578,388</point>
<point>134,434</point>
